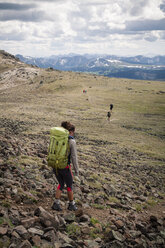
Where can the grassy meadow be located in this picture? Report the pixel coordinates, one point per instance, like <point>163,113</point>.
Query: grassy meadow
<point>134,137</point>
<point>137,121</point>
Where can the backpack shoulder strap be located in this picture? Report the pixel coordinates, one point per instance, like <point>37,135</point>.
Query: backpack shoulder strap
<point>71,137</point>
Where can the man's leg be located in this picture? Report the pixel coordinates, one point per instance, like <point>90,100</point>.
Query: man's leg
<point>72,205</point>
<point>69,182</point>
<point>70,194</point>
<point>58,193</point>
<point>56,204</point>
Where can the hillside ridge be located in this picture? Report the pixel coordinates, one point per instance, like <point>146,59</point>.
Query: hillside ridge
<point>120,196</point>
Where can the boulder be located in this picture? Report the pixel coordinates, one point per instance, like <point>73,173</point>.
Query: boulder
<point>25,244</point>
<point>3,230</point>
<point>27,223</point>
<point>116,235</point>
<point>35,231</point>
<point>46,218</point>
<point>21,230</point>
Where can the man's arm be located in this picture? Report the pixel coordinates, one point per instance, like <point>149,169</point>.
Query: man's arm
<point>74,159</point>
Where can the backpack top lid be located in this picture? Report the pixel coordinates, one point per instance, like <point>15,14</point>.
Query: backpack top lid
<point>58,131</point>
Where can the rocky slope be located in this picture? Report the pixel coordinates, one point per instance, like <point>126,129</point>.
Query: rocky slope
<point>120,197</point>
<point>107,217</point>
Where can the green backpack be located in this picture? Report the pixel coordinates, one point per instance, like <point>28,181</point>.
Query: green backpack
<point>58,148</point>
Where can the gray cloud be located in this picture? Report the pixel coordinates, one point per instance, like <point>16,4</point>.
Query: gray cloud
<point>13,36</point>
<point>138,29</point>
<point>162,6</point>
<point>94,3</point>
<point>30,16</point>
<point>15,6</point>
<point>145,25</point>
<point>49,0</point>
<point>138,7</point>
<point>163,35</point>
<point>53,1</point>
<point>151,38</point>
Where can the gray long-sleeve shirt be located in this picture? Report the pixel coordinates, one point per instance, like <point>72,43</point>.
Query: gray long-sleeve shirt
<point>73,155</point>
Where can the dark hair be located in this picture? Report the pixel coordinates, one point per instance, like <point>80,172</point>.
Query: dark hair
<point>71,128</point>
<point>67,125</point>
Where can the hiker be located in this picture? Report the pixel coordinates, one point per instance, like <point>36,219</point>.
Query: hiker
<point>111,107</point>
<point>108,115</point>
<point>65,176</point>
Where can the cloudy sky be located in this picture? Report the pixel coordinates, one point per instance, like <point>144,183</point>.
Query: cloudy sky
<point>46,27</point>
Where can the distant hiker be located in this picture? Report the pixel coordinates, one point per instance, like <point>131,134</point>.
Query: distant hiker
<point>63,173</point>
<point>109,115</point>
<point>111,107</point>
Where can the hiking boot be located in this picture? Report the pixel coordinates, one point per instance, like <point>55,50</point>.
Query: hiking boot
<point>72,207</point>
<point>56,207</point>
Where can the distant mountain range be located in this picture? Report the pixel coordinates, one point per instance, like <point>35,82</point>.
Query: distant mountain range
<point>138,67</point>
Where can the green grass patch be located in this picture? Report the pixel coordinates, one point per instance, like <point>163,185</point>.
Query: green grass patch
<point>4,244</point>
<point>95,185</point>
<point>98,206</point>
<point>27,160</point>
<point>93,221</point>
<point>73,229</point>
<point>6,221</point>
<point>95,233</point>
<point>151,202</point>
<point>6,204</point>
<point>138,207</point>
<point>114,199</point>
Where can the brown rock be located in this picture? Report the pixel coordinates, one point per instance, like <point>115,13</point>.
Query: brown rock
<point>98,226</point>
<point>119,224</point>
<point>46,218</point>
<point>36,240</point>
<point>15,235</point>
<point>21,231</point>
<point>79,213</point>
<point>35,231</point>
<point>25,244</point>
<point>85,230</point>
<point>3,230</point>
<point>50,236</point>
<point>116,235</point>
<point>153,218</point>
<point>29,222</point>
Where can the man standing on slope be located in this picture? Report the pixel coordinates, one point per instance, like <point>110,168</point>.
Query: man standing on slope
<point>65,176</point>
